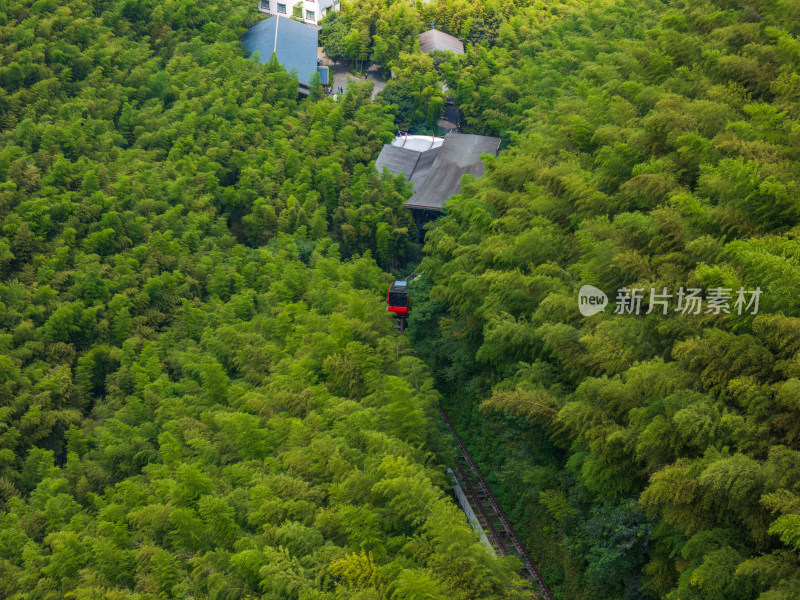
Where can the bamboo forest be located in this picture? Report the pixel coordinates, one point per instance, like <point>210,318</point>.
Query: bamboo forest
<point>583,384</point>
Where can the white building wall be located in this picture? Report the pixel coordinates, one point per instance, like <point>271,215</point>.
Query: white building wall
<point>312,9</point>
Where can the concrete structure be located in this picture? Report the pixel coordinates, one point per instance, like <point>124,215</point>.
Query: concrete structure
<point>293,43</point>
<point>463,501</point>
<point>313,10</point>
<point>433,39</point>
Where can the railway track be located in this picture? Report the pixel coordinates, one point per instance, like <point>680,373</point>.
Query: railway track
<point>491,517</point>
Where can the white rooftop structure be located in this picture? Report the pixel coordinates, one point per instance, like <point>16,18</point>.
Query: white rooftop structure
<point>418,143</point>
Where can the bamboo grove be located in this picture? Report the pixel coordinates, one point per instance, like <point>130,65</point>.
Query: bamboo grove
<point>651,145</point>
<point>201,394</point>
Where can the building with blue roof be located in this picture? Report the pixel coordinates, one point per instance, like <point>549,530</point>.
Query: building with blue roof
<point>293,43</point>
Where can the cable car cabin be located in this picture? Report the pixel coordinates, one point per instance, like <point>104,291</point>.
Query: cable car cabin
<point>397,301</point>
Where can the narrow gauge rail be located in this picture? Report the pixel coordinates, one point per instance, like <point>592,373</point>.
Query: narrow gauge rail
<point>491,517</point>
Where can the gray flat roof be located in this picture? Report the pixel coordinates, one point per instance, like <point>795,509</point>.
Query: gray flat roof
<point>459,155</point>
<point>424,166</point>
<point>397,160</point>
<point>433,39</point>
<point>411,163</point>
<point>295,45</point>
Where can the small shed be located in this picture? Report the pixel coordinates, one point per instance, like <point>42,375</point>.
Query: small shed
<point>433,39</point>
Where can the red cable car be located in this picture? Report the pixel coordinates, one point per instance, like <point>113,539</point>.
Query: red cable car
<point>397,299</point>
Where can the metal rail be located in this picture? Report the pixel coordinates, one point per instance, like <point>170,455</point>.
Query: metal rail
<point>491,516</point>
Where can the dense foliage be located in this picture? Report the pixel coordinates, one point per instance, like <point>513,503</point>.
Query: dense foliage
<point>109,121</point>
<point>201,396</point>
<point>385,32</point>
<point>654,144</point>
<point>200,392</point>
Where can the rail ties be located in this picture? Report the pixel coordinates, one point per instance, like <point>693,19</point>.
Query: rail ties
<point>492,518</point>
